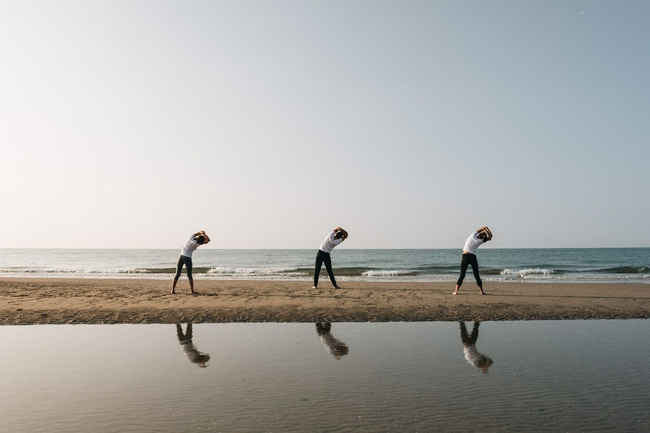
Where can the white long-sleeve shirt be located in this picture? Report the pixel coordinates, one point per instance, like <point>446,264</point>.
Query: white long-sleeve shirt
<point>472,243</point>
<point>330,242</point>
<point>190,246</point>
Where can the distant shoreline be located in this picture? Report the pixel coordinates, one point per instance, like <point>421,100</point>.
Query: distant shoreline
<point>106,301</point>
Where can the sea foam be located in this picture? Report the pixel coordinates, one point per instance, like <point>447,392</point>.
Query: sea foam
<point>242,272</point>
<point>524,273</point>
<point>387,273</point>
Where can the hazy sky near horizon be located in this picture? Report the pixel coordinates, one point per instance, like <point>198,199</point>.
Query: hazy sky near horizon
<point>132,124</point>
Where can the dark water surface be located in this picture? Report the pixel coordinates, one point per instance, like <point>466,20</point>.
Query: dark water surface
<point>501,376</point>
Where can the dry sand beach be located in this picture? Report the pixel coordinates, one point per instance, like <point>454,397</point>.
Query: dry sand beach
<point>56,301</point>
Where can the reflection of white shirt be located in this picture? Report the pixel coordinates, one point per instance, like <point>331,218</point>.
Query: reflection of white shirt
<point>472,355</point>
<point>191,352</point>
<point>329,243</point>
<point>335,347</point>
<point>190,246</point>
<point>472,243</point>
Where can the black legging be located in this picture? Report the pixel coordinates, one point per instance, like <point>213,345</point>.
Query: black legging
<point>183,260</point>
<point>320,258</point>
<point>469,259</point>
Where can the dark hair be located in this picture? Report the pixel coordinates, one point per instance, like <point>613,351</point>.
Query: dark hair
<point>338,235</point>
<point>200,239</point>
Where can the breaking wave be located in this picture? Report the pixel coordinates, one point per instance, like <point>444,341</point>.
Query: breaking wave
<point>523,273</point>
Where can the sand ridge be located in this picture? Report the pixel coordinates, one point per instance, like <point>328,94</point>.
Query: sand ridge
<point>76,300</point>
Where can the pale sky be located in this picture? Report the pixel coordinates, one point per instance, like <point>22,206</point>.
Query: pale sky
<point>132,124</point>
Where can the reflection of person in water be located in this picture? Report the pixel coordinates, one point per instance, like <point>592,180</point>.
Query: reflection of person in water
<point>336,347</point>
<point>199,358</point>
<point>472,354</point>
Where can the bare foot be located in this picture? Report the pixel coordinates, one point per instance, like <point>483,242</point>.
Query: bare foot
<point>192,292</point>
<point>314,287</point>
<point>337,287</point>
<point>172,292</point>
<point>454,293</point>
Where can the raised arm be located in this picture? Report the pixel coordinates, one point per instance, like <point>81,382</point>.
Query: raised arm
<point>345,234</point>
<point>487,232</point>
<point>201,233</point>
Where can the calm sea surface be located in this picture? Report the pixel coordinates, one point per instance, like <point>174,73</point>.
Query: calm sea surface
<point>566,265</point>
<point>340,377</point>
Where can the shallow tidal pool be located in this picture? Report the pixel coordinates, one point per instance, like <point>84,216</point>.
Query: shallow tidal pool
<point>375,377</point>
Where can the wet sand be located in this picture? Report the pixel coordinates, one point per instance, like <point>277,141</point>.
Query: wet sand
<point>42,301</point>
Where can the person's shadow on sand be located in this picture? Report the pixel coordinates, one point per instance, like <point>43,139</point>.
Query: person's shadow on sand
<point>472,355</point>
<point>334,346</point>
<point>185,339</point>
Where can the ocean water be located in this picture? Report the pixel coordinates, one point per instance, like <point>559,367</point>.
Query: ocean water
<point>341,377</point>
<point>534,265</point>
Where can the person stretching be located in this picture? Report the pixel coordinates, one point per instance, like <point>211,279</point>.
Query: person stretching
<point>337,236</point>
<point>185,258</point>
<point>475,240</point>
